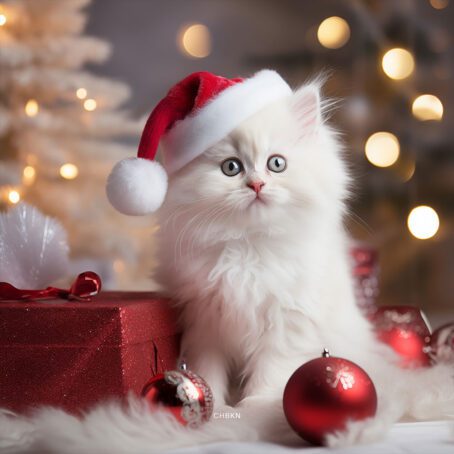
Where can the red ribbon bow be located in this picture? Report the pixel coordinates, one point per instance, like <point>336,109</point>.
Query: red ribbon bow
<point>85,286</point>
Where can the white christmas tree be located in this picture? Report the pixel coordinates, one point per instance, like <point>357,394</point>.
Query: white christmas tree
<point>61,131</point>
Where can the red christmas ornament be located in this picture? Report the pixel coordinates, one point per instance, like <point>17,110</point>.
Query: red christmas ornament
<point>406,330</point>
<point>442,344</point>
<point>183,393</point>
<point>325,393</point>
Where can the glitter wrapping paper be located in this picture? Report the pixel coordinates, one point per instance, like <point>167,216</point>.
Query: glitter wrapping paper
<point>76,354</point>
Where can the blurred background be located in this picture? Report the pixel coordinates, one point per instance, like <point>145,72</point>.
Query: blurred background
<point>78,78</point>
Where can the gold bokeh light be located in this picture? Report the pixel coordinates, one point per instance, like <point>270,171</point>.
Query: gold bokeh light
<point>439,4</point>
<point>333,32</point>
<point>382,149</point>
<point>90,105</point>
<point>31,108</point>
<point>423,222</point>
<point>69,171</point>
<point>14,196</point>
<point>427,107</point>
<point>81,93</point>
<point>28,175</point>
<point>398,63</point>
<point>195,41</point>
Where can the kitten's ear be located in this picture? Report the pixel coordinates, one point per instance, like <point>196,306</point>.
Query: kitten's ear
<point>306,105</point>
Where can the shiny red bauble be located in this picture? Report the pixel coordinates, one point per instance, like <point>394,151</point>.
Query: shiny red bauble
<point>406,330</point>
<point>442,344</point>
<point>323,394</point>
<point>182,393</point>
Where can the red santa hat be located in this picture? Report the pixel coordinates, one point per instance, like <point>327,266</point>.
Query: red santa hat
<point>196,113</point>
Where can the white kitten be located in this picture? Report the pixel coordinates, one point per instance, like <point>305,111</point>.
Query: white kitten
<point>263,283</point>
<point>262,278</point>
<point>257,260</point>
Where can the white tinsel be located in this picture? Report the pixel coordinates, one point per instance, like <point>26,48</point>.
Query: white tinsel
<point>33,248</point>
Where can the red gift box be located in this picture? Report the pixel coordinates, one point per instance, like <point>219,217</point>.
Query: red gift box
<point>75,354</point>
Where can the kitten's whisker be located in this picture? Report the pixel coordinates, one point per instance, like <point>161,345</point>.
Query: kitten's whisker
<point>183,208</point>
<point>179,241</point>
<point>173,217</point>
<point>203,227</point>
<point>211,212</point>
<point>200,225</point>
<point>358,220</point>
<point>302,201</point>
<point>207,222</point>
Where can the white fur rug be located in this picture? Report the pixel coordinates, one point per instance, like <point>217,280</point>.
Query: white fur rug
<point>433,437</point>
<point>133,429</point>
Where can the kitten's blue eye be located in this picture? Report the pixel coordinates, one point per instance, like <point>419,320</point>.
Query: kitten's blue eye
<point>277,163</point>
<point>231,167</point>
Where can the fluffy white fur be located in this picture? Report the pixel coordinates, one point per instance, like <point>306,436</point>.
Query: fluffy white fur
<point>137,186</point>
<point>263,286</point>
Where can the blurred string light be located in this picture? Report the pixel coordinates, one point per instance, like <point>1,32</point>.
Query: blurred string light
<point>119,266</point>
<point>28,175</point>
<point>382,149</point>
<point>69,171</point>
<point>195,40</point>
<point>398,63</point>
<point>31,159</point>
<point>408,170</point>
<point>427,107</point>
<point>423,222</point>
<point>31,108</point>
<point>90,105</point>
<point>81,93</point>
<point>3,19</point>
<point>333,32</point>
<point>13,196</point>
<point>439,4</point>
<point>405,167</point>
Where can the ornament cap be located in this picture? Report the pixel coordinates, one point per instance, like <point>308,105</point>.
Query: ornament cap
<point>325,353</point>
<point>183,366</point>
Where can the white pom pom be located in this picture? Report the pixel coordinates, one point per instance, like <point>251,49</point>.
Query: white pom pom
<point>137,186</point>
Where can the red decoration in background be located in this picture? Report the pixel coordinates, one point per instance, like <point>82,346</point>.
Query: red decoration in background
<point>323,394</point>
<point>405,329</point>
<point>442,344</point>
<point>86,285</point>
<point>73,355</point>
<point>365,274</point>
<point>182,393</point>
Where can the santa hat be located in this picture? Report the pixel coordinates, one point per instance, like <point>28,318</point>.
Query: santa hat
<point>196,113</point>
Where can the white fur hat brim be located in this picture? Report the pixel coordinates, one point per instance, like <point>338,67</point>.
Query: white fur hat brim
<point>194,134</point>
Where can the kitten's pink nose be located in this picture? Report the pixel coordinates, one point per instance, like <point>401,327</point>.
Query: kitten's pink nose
<point>256,185</point>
